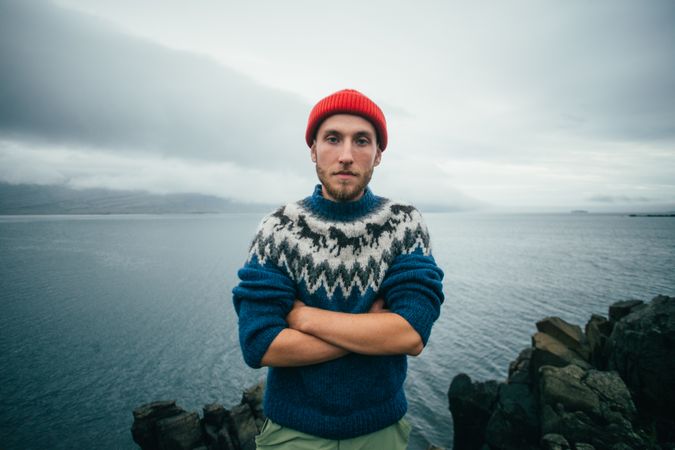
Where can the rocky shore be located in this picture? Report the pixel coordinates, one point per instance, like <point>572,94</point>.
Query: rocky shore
<point>609,386</point>
<point>165,426</point>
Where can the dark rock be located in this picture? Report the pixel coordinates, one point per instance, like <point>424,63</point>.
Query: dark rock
<point>583,446</point>
<point>591,407</point>
<point>598,330</point>
<point>214,414</point>
<point>519,370</point>
<point>613,394</point>
<point>514,425</point>
<point>253,397</point>
<point>554,441</point>
<point>181,432</point>
<point>225,440</point>
<point>471,405</point>
<point>619,310</point>
<point>564,386</point>
<point>642,350</point>
<point>548,351</point>
<point>144,428</point>
<point>242,426</point>
<point>163,425</point>
<point>553,389</point>
<point>567,334</point>
<point>211,435</point>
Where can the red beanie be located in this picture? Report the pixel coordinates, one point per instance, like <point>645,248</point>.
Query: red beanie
<point>347,101</point>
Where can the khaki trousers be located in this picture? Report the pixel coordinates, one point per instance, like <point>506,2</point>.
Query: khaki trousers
<point>275,437</point>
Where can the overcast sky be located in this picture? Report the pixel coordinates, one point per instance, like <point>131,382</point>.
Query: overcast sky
<point>514,105</point>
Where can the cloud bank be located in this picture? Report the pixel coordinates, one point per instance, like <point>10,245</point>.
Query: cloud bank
<point>520,104</point>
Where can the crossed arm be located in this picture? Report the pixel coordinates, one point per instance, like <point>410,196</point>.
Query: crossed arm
<point>316,335</point>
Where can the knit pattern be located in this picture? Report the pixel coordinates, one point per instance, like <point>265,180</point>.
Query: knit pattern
<point>339,255</point>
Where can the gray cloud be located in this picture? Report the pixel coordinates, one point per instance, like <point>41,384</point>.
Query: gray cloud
<point>519,103</point>
<point>69,78</point>
<point>600,69</point>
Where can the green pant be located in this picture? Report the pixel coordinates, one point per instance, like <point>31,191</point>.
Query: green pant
<point>275,437</point>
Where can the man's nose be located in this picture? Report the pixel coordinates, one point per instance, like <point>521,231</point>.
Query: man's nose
<point>346,155</point>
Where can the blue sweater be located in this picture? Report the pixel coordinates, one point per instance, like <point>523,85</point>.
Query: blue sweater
<point>339,257</point>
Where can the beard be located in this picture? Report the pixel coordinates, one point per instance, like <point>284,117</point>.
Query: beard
<point>344,192</point>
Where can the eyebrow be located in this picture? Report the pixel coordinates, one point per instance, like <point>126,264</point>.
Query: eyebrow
<point>362,133</point>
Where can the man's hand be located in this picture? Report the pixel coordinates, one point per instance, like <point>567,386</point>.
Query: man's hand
<point>295,316</point>
<point>378,306</point>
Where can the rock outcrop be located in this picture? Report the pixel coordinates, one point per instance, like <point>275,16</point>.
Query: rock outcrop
<point>165,426</point>
<point>641,349</point>
<point>609,387</point>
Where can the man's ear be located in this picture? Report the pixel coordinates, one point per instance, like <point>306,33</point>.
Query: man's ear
<point>312,151</point>
<point>378,157</point>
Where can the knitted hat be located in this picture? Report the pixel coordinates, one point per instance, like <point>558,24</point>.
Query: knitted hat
<point>347,101</point>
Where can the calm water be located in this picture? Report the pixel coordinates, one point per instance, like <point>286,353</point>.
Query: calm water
<point>100,314</point>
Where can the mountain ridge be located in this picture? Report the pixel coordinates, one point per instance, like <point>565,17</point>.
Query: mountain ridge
<point>19,199</point>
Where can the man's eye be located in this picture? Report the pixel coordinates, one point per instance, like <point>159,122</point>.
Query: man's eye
<point>332,139</point>
<point>362,141</point>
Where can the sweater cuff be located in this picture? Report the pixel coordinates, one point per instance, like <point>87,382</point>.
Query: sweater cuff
<point>254,354</point>
<point>421,319</point>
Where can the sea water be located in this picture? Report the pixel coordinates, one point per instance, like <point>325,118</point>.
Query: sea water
<point>100,314</point>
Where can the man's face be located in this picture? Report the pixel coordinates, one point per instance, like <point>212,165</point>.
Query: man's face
<point>345,152</point>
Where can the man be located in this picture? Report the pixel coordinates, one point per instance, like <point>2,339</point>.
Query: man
<point>337,290</point>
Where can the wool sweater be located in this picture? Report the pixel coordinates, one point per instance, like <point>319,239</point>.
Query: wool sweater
<point>339,257</point>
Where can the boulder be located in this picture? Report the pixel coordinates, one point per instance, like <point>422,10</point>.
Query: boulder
<point>214,414</point>
<point>514,425</point>
<point>180,432</point>
<point>619,310</point>
<point>612,393</point>
<point>554,441</point>
<point>548,351</point>
<point>567,334</point>
<point>598,330</point>
<point>242,426</point>
<point>588,406</point>
<point>642,350</point>
<point>253,397</point>
<point>211,436</point>
<point>583,446</point>
<point>144,428</point>
<point>225,440</point>
<point>471,405</point>
<point>564,386</point>
<point>519,370</point>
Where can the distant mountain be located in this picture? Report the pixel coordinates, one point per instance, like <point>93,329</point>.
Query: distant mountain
<point>39,199</point>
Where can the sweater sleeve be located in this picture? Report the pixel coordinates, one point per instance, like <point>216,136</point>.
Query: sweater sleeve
<point>413,288</point>
<point>413,285</point>
<point>262,300</point>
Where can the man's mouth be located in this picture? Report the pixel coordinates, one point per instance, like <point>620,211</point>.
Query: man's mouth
<point>345,173</point>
